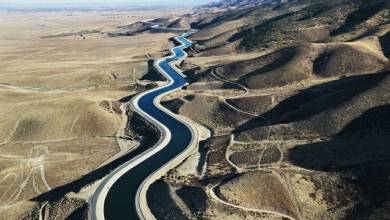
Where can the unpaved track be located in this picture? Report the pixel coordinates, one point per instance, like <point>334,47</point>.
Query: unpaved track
<point>215,197</point>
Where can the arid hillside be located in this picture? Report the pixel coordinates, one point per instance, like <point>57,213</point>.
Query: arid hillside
<point>291,99</point>
<point>277,25</point>
<point>296,97</point>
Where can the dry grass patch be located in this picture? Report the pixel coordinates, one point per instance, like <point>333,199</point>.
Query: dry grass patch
<point>258,190</point>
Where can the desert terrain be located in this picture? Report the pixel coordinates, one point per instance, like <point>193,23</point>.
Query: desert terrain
<point>292,99</point>
<point>296,97</point>
<point>63,120</point>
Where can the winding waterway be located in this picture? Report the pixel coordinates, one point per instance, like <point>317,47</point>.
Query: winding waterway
<point>120,197</point>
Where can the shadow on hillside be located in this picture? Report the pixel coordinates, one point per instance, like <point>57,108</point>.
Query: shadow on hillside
<point>283,56</point>
<point>227,16</point>
<point>152,74</point>
<point>361,149</point>
<point>173,105</point>
<point>161,202</point>
<point>365,12</point>
<point>385,43</point>
<point>364,137</point>
<point>316,99</point>
<point>195,198</point>
<point>315,11</point>
<point>260,29</point>
<point>128,98</point>
<point>367,33</point>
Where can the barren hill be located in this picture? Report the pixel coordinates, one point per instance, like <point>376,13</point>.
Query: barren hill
<point>263,26</point>
<point>296,96</point>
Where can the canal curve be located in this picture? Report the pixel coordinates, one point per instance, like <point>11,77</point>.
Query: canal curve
<point>119,195</point>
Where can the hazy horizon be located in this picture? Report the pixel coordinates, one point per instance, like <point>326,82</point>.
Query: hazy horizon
<point>98,3</point>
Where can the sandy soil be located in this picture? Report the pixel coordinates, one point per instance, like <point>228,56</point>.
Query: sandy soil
<point>59,96</point>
